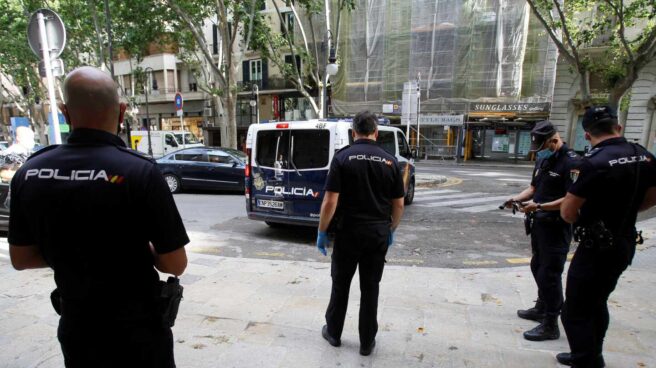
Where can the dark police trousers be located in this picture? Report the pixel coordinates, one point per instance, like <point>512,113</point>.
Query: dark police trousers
<point>550,239</point>
<point>93,336</point>
<point>363,246</point>
<point>592,276</point>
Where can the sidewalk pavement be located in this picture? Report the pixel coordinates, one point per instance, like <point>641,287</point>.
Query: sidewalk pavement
<point>258,313</point>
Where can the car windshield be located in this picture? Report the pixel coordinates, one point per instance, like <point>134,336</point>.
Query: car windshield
<point>239,154</point>
<point>189,138</point>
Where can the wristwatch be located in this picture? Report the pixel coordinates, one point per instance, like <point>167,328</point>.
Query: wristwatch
<point>539,207</point>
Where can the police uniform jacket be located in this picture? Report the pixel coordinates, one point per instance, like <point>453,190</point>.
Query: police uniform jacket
<point>551,178</point>
<point>367,178</point>
<point>613,179</point>
<point>92,206</point>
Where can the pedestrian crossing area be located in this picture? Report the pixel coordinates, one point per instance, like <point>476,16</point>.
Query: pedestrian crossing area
<point>477,200</point>
<point>459,201</point>
<point>501,176</point>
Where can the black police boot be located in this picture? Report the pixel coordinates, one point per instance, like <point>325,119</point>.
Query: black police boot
<point>547,330</point>
<point>366,350</point>
<point>331,340</point>
<point>534,314</point>
<point>566,359</point>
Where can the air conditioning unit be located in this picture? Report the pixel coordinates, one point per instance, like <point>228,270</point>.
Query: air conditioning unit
<point>207,111</point>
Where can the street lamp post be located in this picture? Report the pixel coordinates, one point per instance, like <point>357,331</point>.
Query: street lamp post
<point>254,102</point>
<point>331,69</point>
<point>150,146</point>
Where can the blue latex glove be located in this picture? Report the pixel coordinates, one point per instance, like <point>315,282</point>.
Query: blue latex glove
<point>390,238</point>
<point>322,242</point>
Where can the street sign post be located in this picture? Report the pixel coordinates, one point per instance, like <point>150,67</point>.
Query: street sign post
<point>46,36</point>
<point>178,107</point>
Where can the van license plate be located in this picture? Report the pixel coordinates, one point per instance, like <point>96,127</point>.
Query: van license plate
<point>265,203</point>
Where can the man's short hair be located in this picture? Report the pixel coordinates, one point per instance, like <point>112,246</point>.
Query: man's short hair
<point>365,123</point>
<point>599,120</point>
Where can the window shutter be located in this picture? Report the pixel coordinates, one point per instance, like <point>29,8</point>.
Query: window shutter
<point>265,74</point>
<point>246,70</point>
<point>215,39</point>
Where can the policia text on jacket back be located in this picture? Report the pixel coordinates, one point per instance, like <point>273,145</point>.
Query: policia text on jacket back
<point>101,217</point>
<point>615,180</point>
<point>550,235</point>
<point>365,188</point>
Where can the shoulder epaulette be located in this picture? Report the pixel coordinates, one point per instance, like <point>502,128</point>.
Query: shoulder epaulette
<point>42,150</point>
<point>136,153</point>
<point>593,152</point>
<point>572,154</point>
<point>343,148</point>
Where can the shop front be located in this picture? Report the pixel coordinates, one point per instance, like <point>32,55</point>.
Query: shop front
<point>501,131</point>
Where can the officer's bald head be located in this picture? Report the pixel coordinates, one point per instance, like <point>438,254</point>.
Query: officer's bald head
<point>92,100</point>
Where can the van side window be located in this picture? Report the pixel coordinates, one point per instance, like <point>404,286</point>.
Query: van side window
<point>311,148</point>
<point>387,141</point>
<point>272,147</point>
<point>404,150</point>
<point>170,140</point>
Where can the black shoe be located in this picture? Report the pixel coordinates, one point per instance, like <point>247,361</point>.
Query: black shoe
<point>367,350</point>
<point>547,330</point>
<point>331,340</point>
<point>566,359</point>
<point>533,314</point>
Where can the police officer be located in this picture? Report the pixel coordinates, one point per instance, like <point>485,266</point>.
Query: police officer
<point>615,180</point>
<point>365,188</point>
<point>101,216</point>
<point>550,235</point>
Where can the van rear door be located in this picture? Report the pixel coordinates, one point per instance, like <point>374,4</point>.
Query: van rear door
<point>289,169</point>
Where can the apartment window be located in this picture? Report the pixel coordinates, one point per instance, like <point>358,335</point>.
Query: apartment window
<point>288,19</point>
<point>256,70</point>
<point>193,84</point>
<point>288,60</point>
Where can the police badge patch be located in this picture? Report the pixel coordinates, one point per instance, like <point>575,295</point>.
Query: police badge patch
<point>258,182</point>
<point>574,175</point>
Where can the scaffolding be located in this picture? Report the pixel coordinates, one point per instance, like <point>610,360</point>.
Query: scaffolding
<point>465,50</point>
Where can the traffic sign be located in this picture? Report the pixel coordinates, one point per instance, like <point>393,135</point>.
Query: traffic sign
<point>178,101</point>
<point>55,31</point>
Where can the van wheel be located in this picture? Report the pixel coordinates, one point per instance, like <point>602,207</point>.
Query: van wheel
<point>410,195</point>
<point>173,182</point>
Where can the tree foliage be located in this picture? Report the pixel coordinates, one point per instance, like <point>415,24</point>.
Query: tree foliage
<point>624,31</point>
<point>86,43</point>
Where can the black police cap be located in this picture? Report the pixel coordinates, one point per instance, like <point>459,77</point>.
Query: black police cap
<point>542,131</point>
<point>597,114</point>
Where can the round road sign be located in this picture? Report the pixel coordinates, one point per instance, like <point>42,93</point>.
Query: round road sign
<point>54,29</point>
<point>178,101</point>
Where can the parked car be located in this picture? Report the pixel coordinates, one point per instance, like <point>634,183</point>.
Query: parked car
<point>204,168</point>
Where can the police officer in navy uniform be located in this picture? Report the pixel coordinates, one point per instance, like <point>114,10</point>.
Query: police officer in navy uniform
<point>365,188</point>
<point>550,234</point>
<point>615,181</point>
<point>102,217</point>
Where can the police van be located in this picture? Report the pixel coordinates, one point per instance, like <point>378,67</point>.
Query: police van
<point>288,164</point>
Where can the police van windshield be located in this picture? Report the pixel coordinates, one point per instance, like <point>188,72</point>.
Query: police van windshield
<point>189,138</point>
<point>385,140</point>
<point>293,149</point>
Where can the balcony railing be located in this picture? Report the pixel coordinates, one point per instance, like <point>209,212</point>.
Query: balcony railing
<point>269,84</point>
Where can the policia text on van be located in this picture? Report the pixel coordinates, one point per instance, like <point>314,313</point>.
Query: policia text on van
<point>288,164</point>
